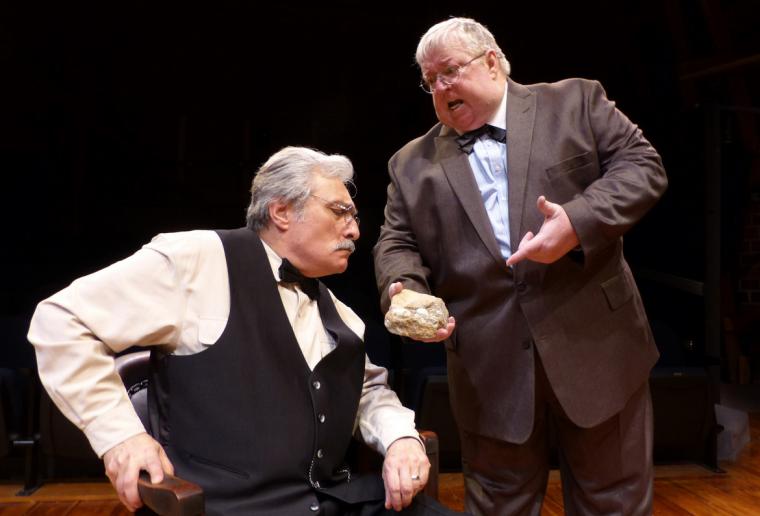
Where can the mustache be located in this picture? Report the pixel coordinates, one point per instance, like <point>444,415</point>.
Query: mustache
<point>347,245</point>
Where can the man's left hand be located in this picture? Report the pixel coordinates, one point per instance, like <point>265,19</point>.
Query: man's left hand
<point>405,472</point>
<point>553,241</point>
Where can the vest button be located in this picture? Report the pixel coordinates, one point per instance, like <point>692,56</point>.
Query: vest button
<point>320,453</point>
<point>316,384</point>
<point>522,286</point>
<point>321,418</point>
<point>314,507</point>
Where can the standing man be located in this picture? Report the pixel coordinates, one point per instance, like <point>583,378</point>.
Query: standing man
<point>258,373</point>
<point>512,209</point>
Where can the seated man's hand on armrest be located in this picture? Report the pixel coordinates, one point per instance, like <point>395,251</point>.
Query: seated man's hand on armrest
<point>405,472</point>
<point>124,462</point>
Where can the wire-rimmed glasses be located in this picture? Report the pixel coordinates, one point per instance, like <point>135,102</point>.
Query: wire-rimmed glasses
<point>346,211</point>
<point>447,77</point>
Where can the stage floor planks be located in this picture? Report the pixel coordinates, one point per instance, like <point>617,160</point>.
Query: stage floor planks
<point>684,489</point>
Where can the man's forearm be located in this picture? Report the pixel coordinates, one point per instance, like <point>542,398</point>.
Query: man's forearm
<point>381,417</point>
<point>78,373</point>
<point>77,331</point>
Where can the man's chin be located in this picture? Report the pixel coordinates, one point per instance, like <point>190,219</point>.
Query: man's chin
<point>343,264</point>
<point>337,268</point>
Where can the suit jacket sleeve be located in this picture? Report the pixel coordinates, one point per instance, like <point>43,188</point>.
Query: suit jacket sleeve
<point>631,179</point>
<point>397,256</point>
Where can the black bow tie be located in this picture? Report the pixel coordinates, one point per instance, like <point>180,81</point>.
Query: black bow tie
<point>289,274</point>
<point>467,140</point>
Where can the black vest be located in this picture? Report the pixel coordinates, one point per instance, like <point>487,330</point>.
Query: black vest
<point>247,419</point>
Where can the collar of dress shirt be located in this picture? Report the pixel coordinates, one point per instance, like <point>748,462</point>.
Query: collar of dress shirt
<point>274,261</point>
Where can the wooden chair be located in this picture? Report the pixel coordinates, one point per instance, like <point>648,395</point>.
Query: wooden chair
<point>177,497</point>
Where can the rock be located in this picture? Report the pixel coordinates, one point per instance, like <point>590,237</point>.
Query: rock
<point>416,315</point>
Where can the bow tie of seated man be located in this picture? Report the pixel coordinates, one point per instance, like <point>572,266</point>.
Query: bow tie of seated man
<point>468,139</point>
<point>289,274</point>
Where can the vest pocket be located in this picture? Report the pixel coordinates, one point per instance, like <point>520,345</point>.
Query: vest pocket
<point>215,465</point>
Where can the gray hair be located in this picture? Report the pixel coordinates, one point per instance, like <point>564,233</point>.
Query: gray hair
<point>287,177</point>
<point>465,33</point>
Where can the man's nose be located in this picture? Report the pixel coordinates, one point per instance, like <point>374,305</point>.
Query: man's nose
<point>352,230</point>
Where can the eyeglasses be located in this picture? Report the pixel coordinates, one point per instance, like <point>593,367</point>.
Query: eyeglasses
<point>448,77</point>
<point>346,211</point>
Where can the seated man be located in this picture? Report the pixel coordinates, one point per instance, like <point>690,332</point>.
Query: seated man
<point>258,373</point>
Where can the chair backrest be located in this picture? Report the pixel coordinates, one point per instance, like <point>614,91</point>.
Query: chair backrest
<point>133,369</point>
<point>174,496</point>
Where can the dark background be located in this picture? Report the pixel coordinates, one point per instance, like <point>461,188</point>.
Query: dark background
<point>120,120</point>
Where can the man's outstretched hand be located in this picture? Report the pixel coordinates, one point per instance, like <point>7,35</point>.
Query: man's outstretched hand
<point>553,241</point>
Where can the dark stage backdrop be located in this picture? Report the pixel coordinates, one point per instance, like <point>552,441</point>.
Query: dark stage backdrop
<point>120,120</point>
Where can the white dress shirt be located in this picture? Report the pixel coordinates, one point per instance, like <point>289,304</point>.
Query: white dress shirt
<point>173,293</point>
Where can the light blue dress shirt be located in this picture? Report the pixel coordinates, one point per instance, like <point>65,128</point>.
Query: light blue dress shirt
<point>488,161</point>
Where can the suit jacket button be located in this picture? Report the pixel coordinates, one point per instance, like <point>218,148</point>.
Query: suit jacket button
<point>314,507</point>
<point>320,453</point>
<point>321,418</point>
<point>316,384</point>
<point>526,343</point>
<point>522,286</point>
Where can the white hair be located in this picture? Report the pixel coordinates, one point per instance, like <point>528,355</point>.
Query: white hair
<point>465,33</point>
<point>287,177</point>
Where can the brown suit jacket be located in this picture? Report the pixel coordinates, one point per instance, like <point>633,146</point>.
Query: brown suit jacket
<point>583,313</point>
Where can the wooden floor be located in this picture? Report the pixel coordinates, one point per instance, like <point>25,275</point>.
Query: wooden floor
<point>678,490</point>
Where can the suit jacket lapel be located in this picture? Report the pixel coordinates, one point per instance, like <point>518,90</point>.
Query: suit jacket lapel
<point>457,169</point>
<point>521,114</point>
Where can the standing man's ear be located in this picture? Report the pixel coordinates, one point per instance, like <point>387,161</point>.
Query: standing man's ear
<point>281,214</point>
<point>492,61</point>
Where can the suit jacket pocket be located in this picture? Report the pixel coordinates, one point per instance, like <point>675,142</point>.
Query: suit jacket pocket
<point>618,290</point>
<point>566,166</point>
<point>570,176</point>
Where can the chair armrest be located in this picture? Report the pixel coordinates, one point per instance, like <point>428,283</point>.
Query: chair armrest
<point>431,447</point>
<point>171,497</point>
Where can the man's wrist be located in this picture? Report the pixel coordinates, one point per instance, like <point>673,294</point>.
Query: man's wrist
<point>412,437</point>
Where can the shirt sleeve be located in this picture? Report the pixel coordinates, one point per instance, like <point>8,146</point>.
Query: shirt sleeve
<point>135,302</point>
<point>381,418</point>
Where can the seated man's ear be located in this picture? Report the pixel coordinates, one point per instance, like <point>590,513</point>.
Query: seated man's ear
<point>281,214</point>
